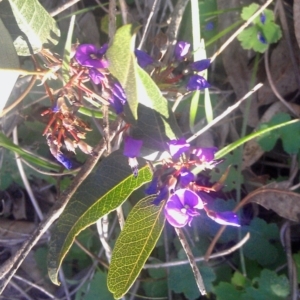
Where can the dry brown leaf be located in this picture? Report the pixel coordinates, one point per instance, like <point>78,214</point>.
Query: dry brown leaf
<point>285,203</point>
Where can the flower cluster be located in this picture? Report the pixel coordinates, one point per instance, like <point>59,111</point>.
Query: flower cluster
<point>175,182</point>
<point>166,75</point>
<point>64,127</point>
<point>260,35</point>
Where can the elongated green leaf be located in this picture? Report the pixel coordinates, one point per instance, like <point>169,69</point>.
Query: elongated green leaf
<point>134,245</point>
<point>8,59</point>
<point>149,112</point>
<point>102,192</point>
<point>36,23</point>
<point>8,144</point>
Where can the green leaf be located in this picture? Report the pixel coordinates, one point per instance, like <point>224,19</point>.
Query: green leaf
<point>36,23</point>
<point>225,291</point>
<point>149,112</point>
<point>296,258</point>
<point>270,286</point>
<point>134,245</point>
<point>249,40</point>
<point>290,135</point>
<point>96,287</point>
<point>102,192</point>
<point>8,59</point>
<point>269,29</point>
<point>259,247</point>
<point>182,280</point>
<point>8,144</point>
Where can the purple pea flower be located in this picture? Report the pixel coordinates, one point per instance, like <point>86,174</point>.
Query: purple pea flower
<point>177,147</point>
<point>205,154</point>
<point>96,76</point>
<point>163,195</point>
<point>209,26</point>
<point>262,18</point>
<point>261,38</point>
<point>224,218</point>
<point>197,82</point>
<point>186,177</point>
<point>64,161</point>
<point>143,58</point>
<point>181,50</point>
<point>117,97</point>
<point>132,147</point>
<point>181,207</point>
<point>152,187</point>
<point>88,55</point>
<point>132,150</point>
<point>200,65</point>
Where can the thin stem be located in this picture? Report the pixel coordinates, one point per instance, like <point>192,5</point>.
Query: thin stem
<point>225,113</point>
<point>202,258</point>
<point>191,259</point>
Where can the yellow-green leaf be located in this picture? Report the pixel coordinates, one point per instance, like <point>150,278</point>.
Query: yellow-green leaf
<point>33,20</point>
<point>102,192</point>
<point>134,245</point>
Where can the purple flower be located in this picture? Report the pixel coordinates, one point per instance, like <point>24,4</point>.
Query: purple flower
<point>152,187</point>
<point>163,195</point>
<point>200,65</point>
<point>118,97</point>
<point>197,82</point>
<point>96,76</point>
<point>205,154</point>
<point>177,147</point>
<point>181,207</point>
<point>132,147</point>
<point>262,18</point>
<point>88,55</point>
<point>224,218</point>
<point>209,26</point>
<point>143,58</point>
<point>261,38</point>
<point>186,177</point>
<point>181,50</point>
<point>64,161</point>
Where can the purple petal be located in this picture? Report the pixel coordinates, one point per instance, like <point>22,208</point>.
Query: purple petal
<point>119,92</point>
<point>262,18</point>
<point>163,195</point>
<point>200,65</point>
<point>152,188</point>
<point>186,177</point>
<point>102,50</point>
<point>197,82</point>
<point>176,217</point>
<point>132,147</point>
<point>181,50</point>
<point>177,147</point>
<point>209,26</point>
<point>96,76</point>
<point>205,154</point>
<point>64,161</point>
<point>224,218</point>
<point>87,55</point>
<point>180,207</point>
<point>261,38</point>
<point>143,58</point>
